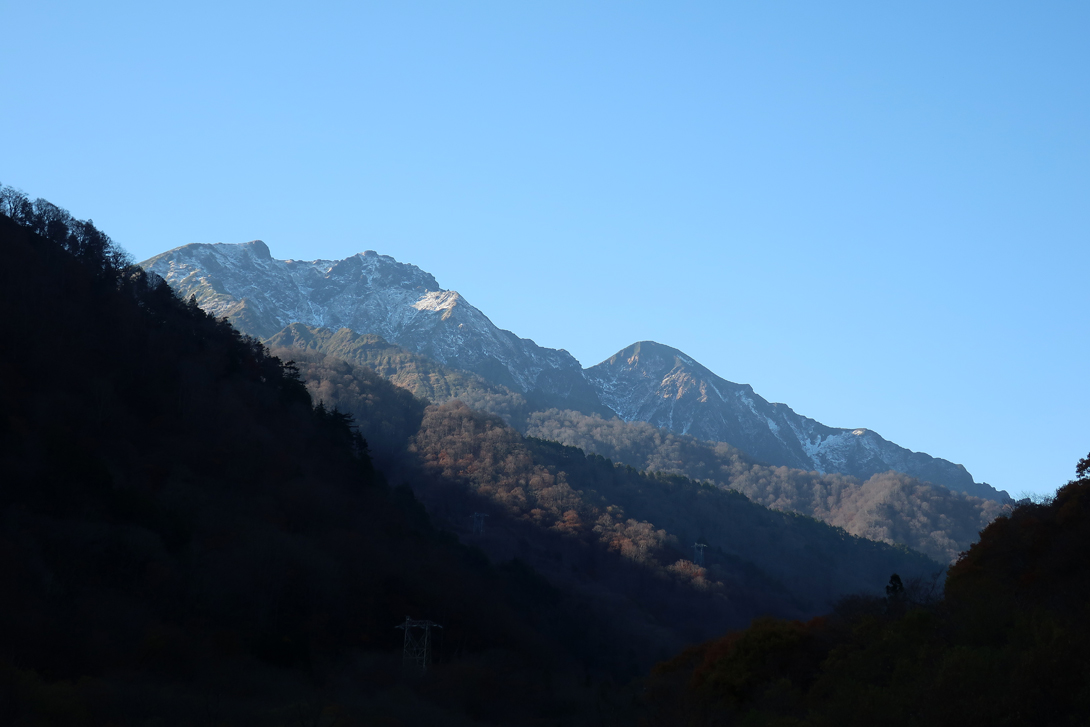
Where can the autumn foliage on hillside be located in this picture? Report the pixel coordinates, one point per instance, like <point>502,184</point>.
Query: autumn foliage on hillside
<point>620,541</point>
<point>1006,645</point>
<point>649,519</point>
<point>891,507</point>
<point>757,560</point>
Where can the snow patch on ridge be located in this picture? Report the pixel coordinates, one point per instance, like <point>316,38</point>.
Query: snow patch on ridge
<point>367,293</point>
<point>438,300</point>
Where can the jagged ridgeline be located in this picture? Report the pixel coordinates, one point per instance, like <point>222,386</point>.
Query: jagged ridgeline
<point>374,294</point>
<point>371,293</point>
<point>186,536</point>
<point>848,478</point>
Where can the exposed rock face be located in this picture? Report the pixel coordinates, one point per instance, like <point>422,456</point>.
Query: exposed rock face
<point>374,294</point>
<point>660,385</point>
<point>370,293</point>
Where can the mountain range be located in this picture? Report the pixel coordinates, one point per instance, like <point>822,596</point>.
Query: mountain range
<point>191,527</point>
<point>193,531</point>
<point>369,293</point>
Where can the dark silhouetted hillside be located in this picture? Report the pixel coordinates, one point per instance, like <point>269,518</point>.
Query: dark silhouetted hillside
<point>186,539</point>
<point>1006,645</point>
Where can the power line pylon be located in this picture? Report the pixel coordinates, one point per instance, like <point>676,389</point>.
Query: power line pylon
<point>478,523</point>
<point>417,652</point>
<point>698,553</point>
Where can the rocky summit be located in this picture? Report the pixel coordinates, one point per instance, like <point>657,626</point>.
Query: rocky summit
<point>370,293</point>
<point>375,294</point>
<point>660,385</point>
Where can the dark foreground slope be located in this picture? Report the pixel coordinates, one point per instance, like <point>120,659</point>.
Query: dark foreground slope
<point>1006,645</point>
<point>185,540</point>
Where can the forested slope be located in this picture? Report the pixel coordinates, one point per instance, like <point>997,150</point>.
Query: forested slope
<point>185,535</point>
<point>891,507</point>
<point>1006,645</point>
<point>426,379</point>
<point>185,539</point>
<point>765,561</point>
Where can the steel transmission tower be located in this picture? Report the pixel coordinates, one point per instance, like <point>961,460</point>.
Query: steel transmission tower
<point>478,523</point>
<point>698,553</point>
<point>417,652</point>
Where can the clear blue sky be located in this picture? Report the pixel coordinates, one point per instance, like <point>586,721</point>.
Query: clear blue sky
<point>878,213</point>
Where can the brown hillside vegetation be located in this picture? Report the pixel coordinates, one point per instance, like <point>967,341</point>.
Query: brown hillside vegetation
<point>890,507</point>
<point>648,519</point>
<point>757,560</point>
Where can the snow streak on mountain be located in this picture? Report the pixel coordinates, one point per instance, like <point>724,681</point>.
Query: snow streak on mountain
<point>369,293</point>
<point>661,385</point>
<point>372,293</point>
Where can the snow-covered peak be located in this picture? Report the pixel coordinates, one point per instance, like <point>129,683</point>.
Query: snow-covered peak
<point>647,381</point>
<point>367,293</point>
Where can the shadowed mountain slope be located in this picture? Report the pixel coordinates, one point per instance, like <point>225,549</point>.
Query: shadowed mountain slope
<point>770,561</point>
<point>426,378</point>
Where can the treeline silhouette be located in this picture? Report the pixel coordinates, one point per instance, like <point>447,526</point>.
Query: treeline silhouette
<point>185,538</point>
<point>891,507</point>
<point>194,532</point>
<point>186,535</point>
<point>1006,645</point>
